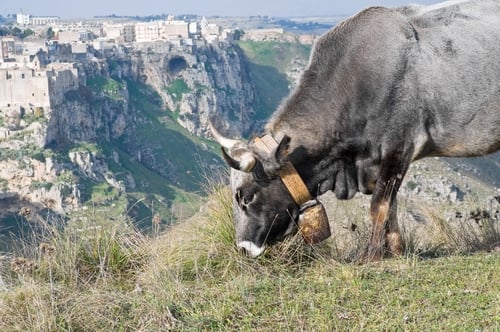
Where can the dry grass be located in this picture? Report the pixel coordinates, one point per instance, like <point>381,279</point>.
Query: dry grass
<point>101,276</point>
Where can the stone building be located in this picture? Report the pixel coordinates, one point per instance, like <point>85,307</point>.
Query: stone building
<point>43,20</point>
<point>174,29</point>
<point>28,88</point>
<point>26,19</point>
<point>147,31</point>
<point>129,33</point>
<point>7,48</point>
<point>113,31</point>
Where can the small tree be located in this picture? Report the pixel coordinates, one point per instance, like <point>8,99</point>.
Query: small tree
<point>15,31</point>
<point>27,33</point>
<point>20,33</point>
<point>238,33</point>
<point>50,33</point>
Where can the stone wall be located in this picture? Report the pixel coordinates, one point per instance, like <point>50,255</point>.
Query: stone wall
<point>62,80</point>
<point>24,87</point>
<point>28,88</point>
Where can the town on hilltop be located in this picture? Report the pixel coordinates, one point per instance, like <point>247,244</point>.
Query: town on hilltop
<point>37,69</point>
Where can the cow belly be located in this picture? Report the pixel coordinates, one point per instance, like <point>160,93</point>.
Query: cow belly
<point>477,137</point>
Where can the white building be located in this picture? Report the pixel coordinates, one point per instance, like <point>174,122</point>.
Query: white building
<point>68,36</point>
<point>209,31</point>
<point>174,29</point>
<point>129,33</point>
<point>23,19</point>
<point>147,31</point>
<point>32,47</point>
<point>43,20</point>
<point>113,31</point>
<point>7,48</point>
<point>193,28</point>
<point>27,87</point>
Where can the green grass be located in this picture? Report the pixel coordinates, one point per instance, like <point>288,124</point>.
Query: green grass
<point>177,88</point>
<point>98,275</point>
<point>274,54</point>
<point>268,63</point>
<point>31,118</point>
<point>107,86</point>
<point>89,147</point>
<point>442,294</point>
<point>168,141</point>
<point>271,87</point>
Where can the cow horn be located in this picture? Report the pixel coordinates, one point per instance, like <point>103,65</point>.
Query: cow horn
<point>246,162</point>
<point>223,141</point>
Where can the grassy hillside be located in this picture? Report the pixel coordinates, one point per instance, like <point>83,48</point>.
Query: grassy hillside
<point>169,143</point>
<point>192,278</point>
<point>166,162</point>
<point>278,55</point>
<point>268,65</point>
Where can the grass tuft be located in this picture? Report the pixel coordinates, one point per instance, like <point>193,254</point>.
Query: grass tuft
<point>94,275</point>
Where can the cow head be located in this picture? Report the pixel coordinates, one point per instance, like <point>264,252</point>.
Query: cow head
<point>264,211</point>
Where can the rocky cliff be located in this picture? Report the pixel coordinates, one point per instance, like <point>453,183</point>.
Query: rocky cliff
<point>125,115</point>
<point>194,83</point>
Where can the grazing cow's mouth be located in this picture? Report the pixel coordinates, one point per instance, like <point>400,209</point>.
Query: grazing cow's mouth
<point>251,249</point>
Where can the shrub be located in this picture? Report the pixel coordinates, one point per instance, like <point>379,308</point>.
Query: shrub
<point>177,88</point>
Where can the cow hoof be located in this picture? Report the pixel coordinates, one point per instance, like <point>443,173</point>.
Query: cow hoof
<point>394,245</point>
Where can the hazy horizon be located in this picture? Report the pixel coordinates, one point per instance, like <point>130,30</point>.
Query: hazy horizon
<point>277,8</point>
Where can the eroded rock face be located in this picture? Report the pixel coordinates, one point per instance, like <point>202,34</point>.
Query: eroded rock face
<point>216,85</point>
<point>195,83</point>
<point>28,181</point>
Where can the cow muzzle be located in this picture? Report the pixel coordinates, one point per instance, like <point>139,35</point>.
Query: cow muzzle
<point>251,249</point>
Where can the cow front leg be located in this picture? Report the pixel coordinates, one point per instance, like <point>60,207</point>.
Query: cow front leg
<point>380,211</point>
<point>385,236</point>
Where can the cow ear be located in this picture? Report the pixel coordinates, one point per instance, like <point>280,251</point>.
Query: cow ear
<point>282,149</point>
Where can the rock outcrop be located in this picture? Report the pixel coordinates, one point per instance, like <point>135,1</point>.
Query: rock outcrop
<point>44,155</point>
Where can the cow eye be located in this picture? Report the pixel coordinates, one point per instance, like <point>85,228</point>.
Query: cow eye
<point>247,199</point>
<point>244,199</point>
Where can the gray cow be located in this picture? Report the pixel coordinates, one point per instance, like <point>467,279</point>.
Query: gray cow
<point>382,89</point>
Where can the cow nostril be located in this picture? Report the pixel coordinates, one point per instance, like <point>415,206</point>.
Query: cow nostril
<point>250,248</point>
<point>242,250</point>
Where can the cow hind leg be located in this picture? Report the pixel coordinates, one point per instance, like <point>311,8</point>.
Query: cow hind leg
<point>394,244</point>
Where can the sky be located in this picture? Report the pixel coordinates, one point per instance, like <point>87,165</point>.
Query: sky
<point>276,8</point>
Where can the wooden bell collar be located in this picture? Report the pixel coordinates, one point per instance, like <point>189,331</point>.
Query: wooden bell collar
<point>288,174</point>
<point>313,221</point>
